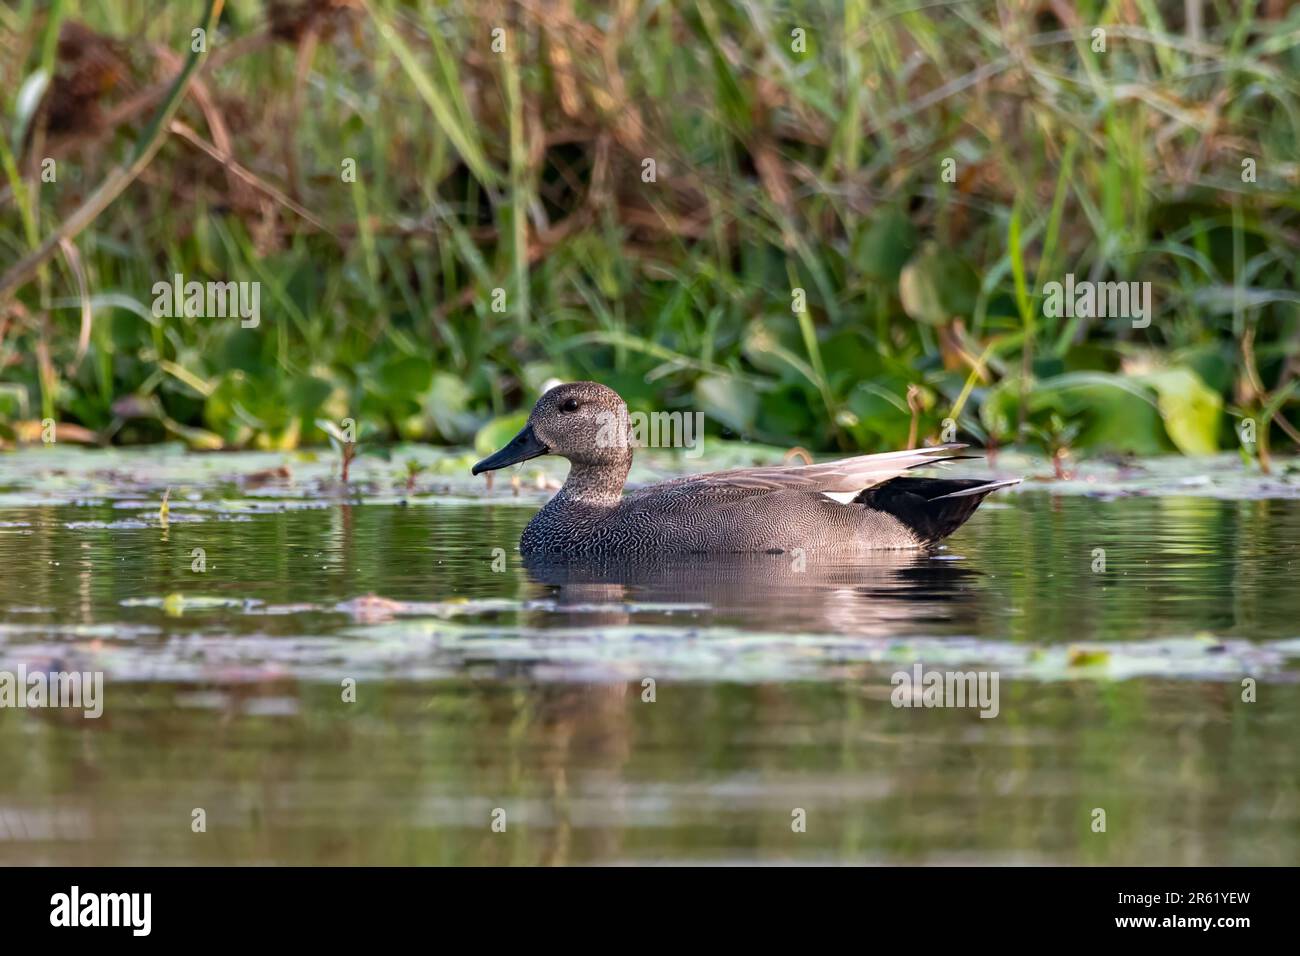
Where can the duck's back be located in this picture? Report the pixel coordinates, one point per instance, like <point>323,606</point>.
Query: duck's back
<point>738,519</point>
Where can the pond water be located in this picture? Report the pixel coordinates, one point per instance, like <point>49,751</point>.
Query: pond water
<point>1146,649</point>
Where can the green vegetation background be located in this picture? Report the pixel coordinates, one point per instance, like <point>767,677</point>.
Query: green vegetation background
<point>500,229</point>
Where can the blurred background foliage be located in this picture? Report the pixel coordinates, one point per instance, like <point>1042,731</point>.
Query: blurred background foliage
<point>501,230</point>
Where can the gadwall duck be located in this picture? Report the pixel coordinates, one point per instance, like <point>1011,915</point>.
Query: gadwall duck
<point>865,503</point>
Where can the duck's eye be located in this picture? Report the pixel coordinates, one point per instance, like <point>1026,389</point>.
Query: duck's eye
<point>570,405</point>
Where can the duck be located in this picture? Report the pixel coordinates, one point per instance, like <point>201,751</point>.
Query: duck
<point>859,504</point>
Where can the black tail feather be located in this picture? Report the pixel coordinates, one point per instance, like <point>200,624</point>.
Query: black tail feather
<point>931,508</point>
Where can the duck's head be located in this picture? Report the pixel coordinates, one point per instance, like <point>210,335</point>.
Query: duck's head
<point>584,422</point>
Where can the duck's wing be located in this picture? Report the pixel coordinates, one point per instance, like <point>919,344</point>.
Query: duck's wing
<point>845,475</point>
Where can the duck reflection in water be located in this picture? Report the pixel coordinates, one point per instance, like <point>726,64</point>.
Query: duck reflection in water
<point>591,729</point>
<point>876,594</point>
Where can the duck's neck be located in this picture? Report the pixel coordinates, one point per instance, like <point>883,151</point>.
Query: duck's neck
<point>594,485</point>
<point>578,510</point>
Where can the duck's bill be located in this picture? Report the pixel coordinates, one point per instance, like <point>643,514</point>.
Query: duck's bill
<point>522,447</point>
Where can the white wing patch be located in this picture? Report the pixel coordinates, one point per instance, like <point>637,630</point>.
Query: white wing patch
<point>843,497</point>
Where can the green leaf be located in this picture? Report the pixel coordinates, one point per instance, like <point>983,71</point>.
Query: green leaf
<point>728,401</point>
<point>332,430</point>
<point>1111,412</point>
<point>446,404</point>
<point>1192,411</point>
<point>403,376</point>
<point>198,438</point>
<point>28,99</point>
<point>936,286</point>
<point>498,432</point>
<point>885,247</point>
<point>773,344</point>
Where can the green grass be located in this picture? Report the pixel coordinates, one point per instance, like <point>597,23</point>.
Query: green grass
<point>499,231</point>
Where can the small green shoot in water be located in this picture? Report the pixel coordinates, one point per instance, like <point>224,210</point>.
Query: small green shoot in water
<point>413,469</point>
<point>1057,436</point>
<point>347,443</point>
<point>342,442</point>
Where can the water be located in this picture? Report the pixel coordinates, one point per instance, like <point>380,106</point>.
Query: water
<point>484,686</point>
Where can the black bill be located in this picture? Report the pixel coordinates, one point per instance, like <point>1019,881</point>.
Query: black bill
<point>520,448</point>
